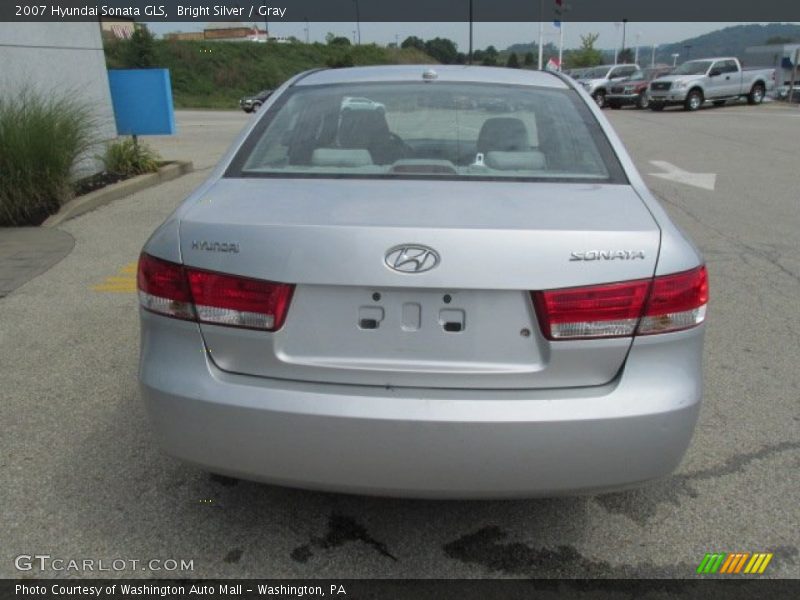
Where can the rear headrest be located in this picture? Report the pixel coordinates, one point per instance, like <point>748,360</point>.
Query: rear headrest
<point>505,134</point>
<point>516,161</point>
<point>362,128</point>
<point>338,157</point>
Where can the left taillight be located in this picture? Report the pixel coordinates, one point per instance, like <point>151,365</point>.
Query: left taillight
<point>181,292</point>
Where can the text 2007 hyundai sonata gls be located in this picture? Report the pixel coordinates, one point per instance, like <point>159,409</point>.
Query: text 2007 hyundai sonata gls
<point>439,298</point>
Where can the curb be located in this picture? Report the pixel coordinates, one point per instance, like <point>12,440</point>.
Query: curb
<point>92,200</point>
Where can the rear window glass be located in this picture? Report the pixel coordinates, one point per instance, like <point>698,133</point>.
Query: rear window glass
<point>421,130</point>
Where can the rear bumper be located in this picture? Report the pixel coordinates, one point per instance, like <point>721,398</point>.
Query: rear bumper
<point>423,443</point>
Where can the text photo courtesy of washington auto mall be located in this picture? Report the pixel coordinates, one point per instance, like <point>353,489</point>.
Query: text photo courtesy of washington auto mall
<point>421,299</point>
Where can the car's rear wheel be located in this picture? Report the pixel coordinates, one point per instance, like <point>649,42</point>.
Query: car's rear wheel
<point>756,95</point>
<point>694,100</point>
<point>643,101</point>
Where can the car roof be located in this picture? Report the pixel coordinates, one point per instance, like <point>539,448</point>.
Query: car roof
<point>452,73</point>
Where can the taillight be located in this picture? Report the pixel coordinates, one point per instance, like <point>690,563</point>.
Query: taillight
<point>163,288</point>
<point>239,301</point>
<point>176,291</point>
<point>676,302</point>
<point>644,306</point>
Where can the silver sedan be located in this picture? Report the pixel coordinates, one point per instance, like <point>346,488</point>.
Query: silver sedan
<point>470,293</point>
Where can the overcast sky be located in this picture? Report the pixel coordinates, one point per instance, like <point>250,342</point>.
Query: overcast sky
<point>500,35</point>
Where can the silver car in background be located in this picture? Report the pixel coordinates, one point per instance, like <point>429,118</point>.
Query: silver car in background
<point>432,300</point>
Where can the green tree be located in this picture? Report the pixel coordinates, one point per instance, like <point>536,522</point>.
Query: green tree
<point>490,56</point>
<point>513,61</point>
<point>140,49</point>
<point>780,39</point>
<point>413,41</point>
<point>529,60</point>
<point>339,41</point>
<point>442,49</point>
<point>626,56</point>
<point>587,55</point>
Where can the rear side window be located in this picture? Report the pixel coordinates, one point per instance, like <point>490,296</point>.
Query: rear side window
<point>423,130</point>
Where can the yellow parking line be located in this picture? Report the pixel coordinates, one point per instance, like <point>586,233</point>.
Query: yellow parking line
<point>124,282</point>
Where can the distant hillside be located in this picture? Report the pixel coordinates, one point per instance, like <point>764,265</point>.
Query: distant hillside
<point>731,41</point>
<point>217,74</point>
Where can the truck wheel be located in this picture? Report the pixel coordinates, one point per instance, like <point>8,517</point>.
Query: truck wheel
<point>643,101</point>
<point>694,100</point>
<point>756,94</point>
<point>600,98</point>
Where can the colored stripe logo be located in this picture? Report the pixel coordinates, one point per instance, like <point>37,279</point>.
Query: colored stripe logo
<point>734,563</point>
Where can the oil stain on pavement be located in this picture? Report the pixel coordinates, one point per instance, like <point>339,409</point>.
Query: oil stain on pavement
<point>341,530</point>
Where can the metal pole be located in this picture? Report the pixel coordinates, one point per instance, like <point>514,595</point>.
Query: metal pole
<point>469,55</point>
<point>624,26</point>
<point>306,20</point>
<point>653,58</point>
<point>561,45</point>
<point>541,31</point>
<point>794,76</point>
<point>358,22</point>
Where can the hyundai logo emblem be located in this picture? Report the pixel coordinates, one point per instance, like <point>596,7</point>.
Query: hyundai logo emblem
<point>411,258</point>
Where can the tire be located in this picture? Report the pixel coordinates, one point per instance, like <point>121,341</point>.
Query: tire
<point>756,95</point>
<point>719,102</point>
<point>694,100</point>
<point>643,101</point>
<point>600,97</point>
<point>656,107</point>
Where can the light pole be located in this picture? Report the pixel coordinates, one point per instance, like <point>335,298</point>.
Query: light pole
<point>541,31</point>
<point>653,57</point>
<point>306,28</point>
<point>624,26</point>
<point>358,22</point>
<point>675,59</point>
<point>636,51</point>
<point>469,55</point>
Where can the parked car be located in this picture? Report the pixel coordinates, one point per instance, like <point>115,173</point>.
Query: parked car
<point>597,80</point>
<point>464,304</point>
<point>634,90</point>
<point>252,103</point>
<point>349,103</point>
<point>710,79</point>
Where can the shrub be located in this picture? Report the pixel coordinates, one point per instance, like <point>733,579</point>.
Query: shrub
<point>42,138</point>
<point>127,158</point>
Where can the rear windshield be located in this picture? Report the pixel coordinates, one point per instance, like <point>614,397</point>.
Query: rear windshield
<point>428,130</point>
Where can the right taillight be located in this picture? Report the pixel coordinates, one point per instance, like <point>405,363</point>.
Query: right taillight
<point>676,302</point>
<point>644,306</point>
<point>181,292</point>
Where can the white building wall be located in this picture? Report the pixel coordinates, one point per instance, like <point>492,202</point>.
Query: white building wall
<point>60,57</point>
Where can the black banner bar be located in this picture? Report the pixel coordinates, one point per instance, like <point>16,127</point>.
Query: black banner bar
<point>426,589</point>
<point>203,11</point>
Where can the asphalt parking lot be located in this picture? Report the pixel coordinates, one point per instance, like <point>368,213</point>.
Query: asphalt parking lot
<point>81,477</point>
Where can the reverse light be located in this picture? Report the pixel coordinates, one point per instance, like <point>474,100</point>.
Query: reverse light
<point>645,306</point>
<point>181,292</point>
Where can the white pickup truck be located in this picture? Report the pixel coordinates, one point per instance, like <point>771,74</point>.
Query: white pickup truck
<point>710,79</point>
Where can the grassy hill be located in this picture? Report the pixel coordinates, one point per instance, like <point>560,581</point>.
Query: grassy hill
<point>731,41</point>
<point>217,74</point>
